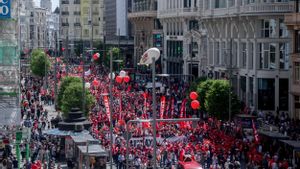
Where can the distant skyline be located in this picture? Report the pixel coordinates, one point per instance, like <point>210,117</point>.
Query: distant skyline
<point>55,3</point>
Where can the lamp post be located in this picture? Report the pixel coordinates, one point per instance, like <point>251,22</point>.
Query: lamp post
<point>149,57</point>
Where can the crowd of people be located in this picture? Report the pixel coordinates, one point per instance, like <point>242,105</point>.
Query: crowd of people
<point>214,144</point>
<point>210,142</point>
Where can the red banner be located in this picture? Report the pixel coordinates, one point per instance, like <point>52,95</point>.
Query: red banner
<point>106,104</point>
<point>145,102</point>
<point>172,107</point>
<point>162,106</point>
<point>255,134</point>
<point>182,109</point>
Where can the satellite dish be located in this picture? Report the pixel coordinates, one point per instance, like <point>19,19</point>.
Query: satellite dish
<point>146,59</point>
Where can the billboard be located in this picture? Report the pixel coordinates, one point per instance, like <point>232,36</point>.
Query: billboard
<point>10,112</point>
<point>5,9</point>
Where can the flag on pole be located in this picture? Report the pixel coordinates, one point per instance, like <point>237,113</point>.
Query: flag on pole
<point>106,104</point>
<point>162,106</point>
<point>255,134</point>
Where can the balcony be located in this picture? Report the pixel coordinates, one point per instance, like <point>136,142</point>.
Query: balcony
<point>65,2</point>
<point>292,20</point>
<point>64,13</point>
<point>76,12</point>
<point>267,8</point>
<point>64,24</point>
<point>77,24</point>
<point>250,9</point>
<point>142,14</point>
<point>178,12</point>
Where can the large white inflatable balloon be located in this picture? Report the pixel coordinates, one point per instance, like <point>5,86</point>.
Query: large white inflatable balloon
<point>148,55</point>
<point>113,75</point>
<point>122,73</point>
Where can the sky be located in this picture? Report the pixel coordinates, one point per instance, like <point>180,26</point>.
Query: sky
<point>55,3</point>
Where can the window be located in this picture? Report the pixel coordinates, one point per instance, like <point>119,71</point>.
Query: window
<point>207,4</point>
<point>267,55</point>
<point>268,28</point>
<point>220,4</point>
<point>284,94</point>
<point>187,3</point>
<point>283,32</point>
<point>297,41</point>
<point>231,3</point>
<point>250,55</point>
<point>244,55</point>
<point>284,56</point>
<point>266,94</point>
<point>217,54</point>
<point>297,72</point>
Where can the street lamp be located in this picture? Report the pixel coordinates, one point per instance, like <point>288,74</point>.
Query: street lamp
<point>150,57</point>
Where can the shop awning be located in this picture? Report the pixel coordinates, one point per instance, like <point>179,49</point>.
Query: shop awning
<point>93,150</point>
<point>57,132</point>
<point>83,138</point>
<point>274,135</point>
<point>292,143</point>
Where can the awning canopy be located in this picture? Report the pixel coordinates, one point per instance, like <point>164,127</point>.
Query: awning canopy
<point>274,135</point>
<point>83,138</point>
<point>292,143</point>
<point>93,150</point>
<point>57,132</point>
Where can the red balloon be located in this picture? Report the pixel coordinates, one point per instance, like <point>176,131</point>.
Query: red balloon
<point>119,79</point>
<point>126,79</point>
<point>96,56</point>
<point>195,104</point>
<point>95,82</point>
<point>193,95</point>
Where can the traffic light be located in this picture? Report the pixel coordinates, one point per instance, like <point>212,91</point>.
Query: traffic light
<point>157,40</point>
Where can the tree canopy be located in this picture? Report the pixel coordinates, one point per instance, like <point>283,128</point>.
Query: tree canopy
<point>214,98</point>
<point>39,63</point>
<point>72,97</point>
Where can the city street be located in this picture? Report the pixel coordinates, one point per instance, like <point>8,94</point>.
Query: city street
<point>149,84</point>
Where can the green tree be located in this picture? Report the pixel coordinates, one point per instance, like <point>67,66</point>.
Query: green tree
<point>66,81</point>
<point>72,97</point>
<point>217,99</point>
<point>39,63</point>
<point>106,59</point>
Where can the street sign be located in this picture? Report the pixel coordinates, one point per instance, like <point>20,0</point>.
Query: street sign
<point>18,136</point>
<point>5,9</point>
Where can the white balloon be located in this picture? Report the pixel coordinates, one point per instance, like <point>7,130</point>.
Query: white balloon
<point>87,85</point>
<point>122,73</point>
<point>146,59</point>
<point>113,75</point>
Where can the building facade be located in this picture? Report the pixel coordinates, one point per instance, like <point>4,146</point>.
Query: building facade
<point>248,43</point>
<point>52,29</point>
<point>147,29</point>
<point>47,4</point>
<point>26,7</point>
<point>75,19</point>
<point>38,28</point>
<point>245,41</point>
<point>293,22</point>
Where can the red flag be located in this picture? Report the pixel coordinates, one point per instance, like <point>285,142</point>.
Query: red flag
<point>120,95</point>
<point>106,104</point>
<point>172,107</point>
<point>255,134</point>
<point>162,106</point>
<point>182,109</point>
<point>145,102</point>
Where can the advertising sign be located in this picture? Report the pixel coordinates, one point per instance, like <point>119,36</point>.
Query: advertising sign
<point>9,85</point>
<point>4,9</point>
